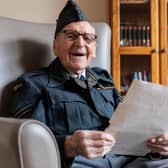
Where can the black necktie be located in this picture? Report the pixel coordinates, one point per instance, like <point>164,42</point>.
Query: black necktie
<point>82,78</point>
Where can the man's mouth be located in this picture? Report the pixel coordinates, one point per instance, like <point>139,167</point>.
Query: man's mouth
<point>78,54</point>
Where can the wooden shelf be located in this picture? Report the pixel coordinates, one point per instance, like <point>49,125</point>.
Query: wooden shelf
<point>134,1</point>
<point>135,50</point>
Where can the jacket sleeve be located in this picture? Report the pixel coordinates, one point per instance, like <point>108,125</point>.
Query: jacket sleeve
<point>25,99</point>
<point>28,102</point>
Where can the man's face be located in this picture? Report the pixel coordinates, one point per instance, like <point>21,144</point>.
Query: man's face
<point>74,50</point>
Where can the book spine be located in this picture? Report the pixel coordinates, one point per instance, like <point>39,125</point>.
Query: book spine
<point>144,43</point>
<point>121,35</point>
<point>130,36</point>
<point>139,36</point>
<point>126,35</point>
<point>134,35</point>
<point>148,35</point>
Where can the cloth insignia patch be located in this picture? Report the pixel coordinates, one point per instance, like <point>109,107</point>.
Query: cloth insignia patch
<point>23,111</point>
<point>18,86</point>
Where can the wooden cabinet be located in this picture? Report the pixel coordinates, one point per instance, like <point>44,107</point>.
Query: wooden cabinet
<point>130,58</point>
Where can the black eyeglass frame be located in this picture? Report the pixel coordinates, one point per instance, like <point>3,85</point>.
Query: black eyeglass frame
<point>72,35</point>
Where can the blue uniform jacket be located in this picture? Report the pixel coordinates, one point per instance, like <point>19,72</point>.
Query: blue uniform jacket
<point>63,103</point>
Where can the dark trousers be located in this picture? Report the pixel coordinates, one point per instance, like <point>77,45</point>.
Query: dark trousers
<point>112,161</point>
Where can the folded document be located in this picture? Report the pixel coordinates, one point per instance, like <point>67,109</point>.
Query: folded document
<point>142,114</point>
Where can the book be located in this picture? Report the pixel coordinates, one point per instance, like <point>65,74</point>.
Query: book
<point>139,35</point>
<point>121,35</point>
<point>134,36</point>
<point>130,35</point>
<point>148,35</point>
<point>144,43</point>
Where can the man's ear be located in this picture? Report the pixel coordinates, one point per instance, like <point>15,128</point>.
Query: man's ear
<point>94,52</point>
<point>54,43</point>
<point>54,46</point>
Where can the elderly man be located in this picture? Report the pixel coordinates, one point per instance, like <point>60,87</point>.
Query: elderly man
<point>76,102</point>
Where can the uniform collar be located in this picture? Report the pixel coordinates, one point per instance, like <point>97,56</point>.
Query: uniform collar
<point>58,76</point>
<point>78,76</point>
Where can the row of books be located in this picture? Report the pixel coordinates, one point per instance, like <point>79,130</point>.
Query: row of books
<point>134,35</point>
<point>138,75</point>
<point>145,75</point>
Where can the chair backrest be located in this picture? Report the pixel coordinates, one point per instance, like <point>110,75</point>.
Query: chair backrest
<point>27,144</point>
<point>25,46</point>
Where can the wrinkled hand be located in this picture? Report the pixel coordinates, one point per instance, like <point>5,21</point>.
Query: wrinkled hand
<point>159,144</point>
<point>89,143</point>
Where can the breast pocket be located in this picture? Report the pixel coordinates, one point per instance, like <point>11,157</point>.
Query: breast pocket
<point>108,96</point>
<point>103,101</point>
<point>67,109</point>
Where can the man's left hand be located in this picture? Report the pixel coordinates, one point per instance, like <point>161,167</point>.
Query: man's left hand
<point>159,144</point>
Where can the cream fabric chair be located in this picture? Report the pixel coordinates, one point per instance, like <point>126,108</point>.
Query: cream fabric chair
<point>25,46</point>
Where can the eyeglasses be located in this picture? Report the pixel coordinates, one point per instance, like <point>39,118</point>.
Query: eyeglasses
<point>72,35</point>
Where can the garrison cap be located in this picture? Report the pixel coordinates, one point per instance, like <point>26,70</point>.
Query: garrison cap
<point>70,13</point>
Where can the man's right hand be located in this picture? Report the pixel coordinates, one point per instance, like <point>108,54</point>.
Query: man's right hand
<point>88,143</point>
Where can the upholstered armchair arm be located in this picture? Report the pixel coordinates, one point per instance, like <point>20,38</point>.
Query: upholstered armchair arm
<point>27,144</point>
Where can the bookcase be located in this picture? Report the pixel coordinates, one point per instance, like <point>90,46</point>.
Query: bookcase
<point>139,41</point>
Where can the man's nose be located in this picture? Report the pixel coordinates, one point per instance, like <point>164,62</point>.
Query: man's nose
<point>79,40</point>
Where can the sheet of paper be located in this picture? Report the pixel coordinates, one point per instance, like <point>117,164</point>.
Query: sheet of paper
<point>142,114</point>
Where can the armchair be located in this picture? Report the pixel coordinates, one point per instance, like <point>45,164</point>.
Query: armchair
<point>25,46</point>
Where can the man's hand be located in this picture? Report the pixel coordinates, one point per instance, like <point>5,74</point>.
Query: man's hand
<point>159,144</point>
<point>88,143</point>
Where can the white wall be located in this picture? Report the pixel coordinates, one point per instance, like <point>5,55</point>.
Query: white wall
<point>47,10</point>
